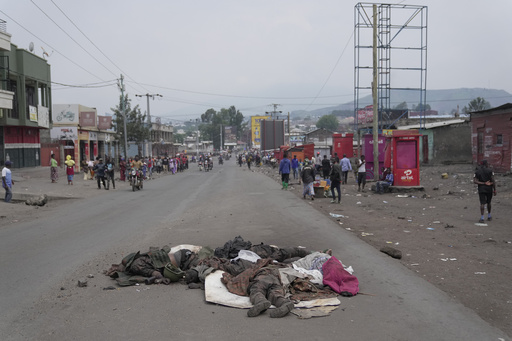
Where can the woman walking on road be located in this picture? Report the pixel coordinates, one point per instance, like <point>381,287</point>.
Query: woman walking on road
<point>54,170</point>
<point>70,169</point>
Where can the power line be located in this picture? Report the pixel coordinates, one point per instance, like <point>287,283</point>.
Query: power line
<point>332,71</point>
<point>70,37</point>
<point>54,49</point>
<point>238,96</point>
<point>110,60</point>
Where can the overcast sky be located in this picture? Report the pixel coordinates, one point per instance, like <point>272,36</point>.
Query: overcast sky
<point>251,54</point>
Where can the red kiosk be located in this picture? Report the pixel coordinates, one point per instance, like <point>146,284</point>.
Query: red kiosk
<point>403,155</point>
<point>343,144</point>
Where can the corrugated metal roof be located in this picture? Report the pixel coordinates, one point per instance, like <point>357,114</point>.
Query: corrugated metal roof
<point>433,125</point>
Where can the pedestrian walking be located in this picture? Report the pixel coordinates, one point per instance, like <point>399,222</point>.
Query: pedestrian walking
<point>295,167</point>
<point>345,168</point>
<point>284,170</point>
<point>335,177</point>
<point>7,180</point>
<point>54,169</point>
<point>307,176</point>
<point>99,169</point>
<point>109,172</point>
<point>361,173</point>
<point>122,169</point>
<point>70,169</point>
<point>484,178</point>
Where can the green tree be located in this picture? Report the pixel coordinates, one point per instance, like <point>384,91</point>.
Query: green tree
<point>329,122</point>
<point>421,107</point>
<point>212,121</point>
<point>137,129</point>
<point>179,138</point>
<point>477,104</point>
<point>402,106</point>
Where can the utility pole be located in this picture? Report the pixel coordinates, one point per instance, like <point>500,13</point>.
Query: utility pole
<point>375,100</point>
<point>289,143</point>
<point>123,113</point>
<point>272,113</point>
<point>221,138</point>
<point>149,118</point>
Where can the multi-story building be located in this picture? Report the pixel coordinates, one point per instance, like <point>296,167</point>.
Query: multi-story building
<point>25,102</point>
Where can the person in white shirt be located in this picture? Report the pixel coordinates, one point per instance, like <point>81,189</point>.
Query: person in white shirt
<point>361,173</point>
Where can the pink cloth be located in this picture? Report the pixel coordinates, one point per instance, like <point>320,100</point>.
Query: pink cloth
<point>339,279</point>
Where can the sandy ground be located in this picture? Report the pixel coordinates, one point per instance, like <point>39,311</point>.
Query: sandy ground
<point>437,233</point>
<point>435,229</point>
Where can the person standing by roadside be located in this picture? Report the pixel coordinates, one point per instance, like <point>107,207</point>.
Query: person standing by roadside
<point>70,169</point>
<point>7,181</point>
<point>326,167</point>
<point>484,178</point>
<point>308,177</point>
<point>345,167</point>
<point>54,169</point>
<point>295,167</point>
<point>361,173</point>
<point>284,170</point>
<point>99,169</point>
<point>335,177</point>
<point>249,160</point>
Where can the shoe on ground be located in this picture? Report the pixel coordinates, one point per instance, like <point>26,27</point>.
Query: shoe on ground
<point>481,220</point>
<point>333,201</point>
<point>312,198</point>
<point>489,219</point>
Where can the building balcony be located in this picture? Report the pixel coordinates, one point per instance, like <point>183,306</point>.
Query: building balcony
<point>6,98</point>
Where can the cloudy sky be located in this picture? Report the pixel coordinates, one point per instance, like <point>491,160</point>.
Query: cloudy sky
<point>252,54</point>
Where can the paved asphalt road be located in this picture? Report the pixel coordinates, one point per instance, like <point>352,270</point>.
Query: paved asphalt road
<point>86,236</point>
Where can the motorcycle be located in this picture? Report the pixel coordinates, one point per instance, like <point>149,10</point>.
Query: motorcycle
<point>200,166</point>
<point>136,180</point>
<point>210,164</point>
<point>221,162</point>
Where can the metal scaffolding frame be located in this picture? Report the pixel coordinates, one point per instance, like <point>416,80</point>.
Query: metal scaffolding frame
<point>401,31</point>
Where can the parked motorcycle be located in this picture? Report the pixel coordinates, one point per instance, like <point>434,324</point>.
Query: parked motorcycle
<point>136,180</point>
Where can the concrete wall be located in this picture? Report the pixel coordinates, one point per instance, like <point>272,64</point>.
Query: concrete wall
<point>452,144</point>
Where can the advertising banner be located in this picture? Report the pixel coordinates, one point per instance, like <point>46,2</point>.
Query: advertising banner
<point>256,130</point>
<point>87,119</point>
<point>64,133</point>
<point>65,114</point>
<point>104,122</point>
<point>33,113</point>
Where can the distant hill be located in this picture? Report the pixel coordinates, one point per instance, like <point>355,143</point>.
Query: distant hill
<point>444,101</point>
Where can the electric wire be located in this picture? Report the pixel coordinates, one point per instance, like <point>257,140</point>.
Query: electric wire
<point>79,30</point>
<point>70,37</point>
<point>54,49</point>
<point>332,71</point>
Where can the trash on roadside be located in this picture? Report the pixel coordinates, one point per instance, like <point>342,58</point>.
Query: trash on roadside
<point>358,203</point>
<point>82,284</point>
<point>334,215</point>
<point>430,228</point>
<point>480,273</point>
<point>384,201</point>
<point>436,222</point>
<point>364,234</point>
<point>444,176</point>
<point>402,196</point>
<point>480,224</point>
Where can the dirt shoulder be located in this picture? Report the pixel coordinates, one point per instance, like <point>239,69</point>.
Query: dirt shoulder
<point>436,232</point>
